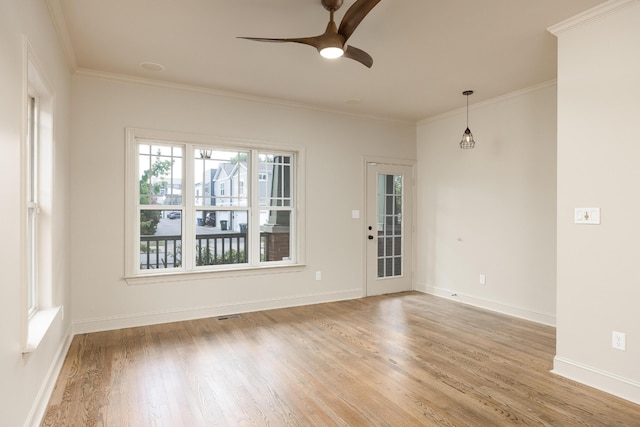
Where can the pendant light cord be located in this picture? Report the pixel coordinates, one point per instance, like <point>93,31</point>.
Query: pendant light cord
<point>467,111</point>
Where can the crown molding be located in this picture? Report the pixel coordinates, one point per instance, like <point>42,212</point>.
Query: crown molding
<point>590,15</point>
<point>60,24</point>
<point>487,102</point>
<point>228,94</point>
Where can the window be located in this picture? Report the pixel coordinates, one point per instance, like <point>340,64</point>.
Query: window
<point>32,204</point>
<point>37,166</point>
<point>176,224</point>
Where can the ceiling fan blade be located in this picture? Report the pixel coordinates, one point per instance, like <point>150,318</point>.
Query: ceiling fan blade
<point>358,55</point>
<point>311,41</point>
<point>354,16</point>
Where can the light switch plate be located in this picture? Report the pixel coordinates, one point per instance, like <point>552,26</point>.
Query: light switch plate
<point>587,216</point>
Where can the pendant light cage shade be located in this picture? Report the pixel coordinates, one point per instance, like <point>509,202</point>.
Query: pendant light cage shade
<point>467,141</point>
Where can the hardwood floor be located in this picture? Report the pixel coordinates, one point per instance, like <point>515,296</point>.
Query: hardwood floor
<point>397,360</point>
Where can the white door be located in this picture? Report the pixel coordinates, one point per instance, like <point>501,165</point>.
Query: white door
<point>389,225</point>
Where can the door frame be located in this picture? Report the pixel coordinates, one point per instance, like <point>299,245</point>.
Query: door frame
<point>365,216</point>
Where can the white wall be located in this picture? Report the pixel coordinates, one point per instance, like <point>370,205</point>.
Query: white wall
<point>491,210</point>
<point>335,148</point>
<point>27,379</point>
<point>598,166</point>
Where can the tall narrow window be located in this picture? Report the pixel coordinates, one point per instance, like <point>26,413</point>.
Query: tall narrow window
<point>32,204</point>
<point>203,207</point>
<point>37,198</point>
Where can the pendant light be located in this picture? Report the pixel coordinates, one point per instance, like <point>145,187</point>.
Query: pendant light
<point>467,136</point>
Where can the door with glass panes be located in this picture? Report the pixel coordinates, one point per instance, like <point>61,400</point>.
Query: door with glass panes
<point>389,228</point>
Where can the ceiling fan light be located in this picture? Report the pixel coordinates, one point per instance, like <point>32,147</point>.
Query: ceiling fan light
<point>331,52</point>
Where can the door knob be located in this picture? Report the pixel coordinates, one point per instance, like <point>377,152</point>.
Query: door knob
<point>370,237</point>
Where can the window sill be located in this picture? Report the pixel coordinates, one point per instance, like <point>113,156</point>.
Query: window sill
<point>38,326</point>
<point>145,279</point>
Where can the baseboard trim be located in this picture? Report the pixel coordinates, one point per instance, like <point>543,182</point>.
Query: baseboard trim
<point>41,401</point>
<point>168,316</point>
<point>610,383</point>
<point>487,304</point>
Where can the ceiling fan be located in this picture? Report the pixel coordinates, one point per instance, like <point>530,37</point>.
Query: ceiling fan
<point>333,42</point>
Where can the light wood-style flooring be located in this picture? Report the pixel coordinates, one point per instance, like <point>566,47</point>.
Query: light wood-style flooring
<point>398,360</point>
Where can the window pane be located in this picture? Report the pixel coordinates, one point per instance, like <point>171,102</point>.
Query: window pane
<point>275,189</point>
<point>160,169</point>
<point>220,177</point>
<point>32,199</point>
<point>160,239</point>
<point>32,299</point>
<point>275,235</point>
<point>221,237</point>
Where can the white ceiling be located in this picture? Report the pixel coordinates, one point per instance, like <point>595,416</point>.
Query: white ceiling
<point>425,52</point>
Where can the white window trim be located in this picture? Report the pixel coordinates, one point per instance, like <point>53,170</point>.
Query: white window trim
<point>36,323</point>
<point>134,276</point>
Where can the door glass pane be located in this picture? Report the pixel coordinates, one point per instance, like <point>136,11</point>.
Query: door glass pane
<point>389,225</point>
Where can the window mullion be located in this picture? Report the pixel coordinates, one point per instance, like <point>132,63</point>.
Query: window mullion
<point>188,214</point>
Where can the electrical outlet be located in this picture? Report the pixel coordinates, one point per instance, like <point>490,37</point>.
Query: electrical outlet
<point>618,341</point>
<point>483,279</point>
<point>318,275</point>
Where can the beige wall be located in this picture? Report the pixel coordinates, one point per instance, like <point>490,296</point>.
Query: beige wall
<point>598,166</point>
<point>25,380</point>
<point>491,210</point>
<point>335,149</point>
